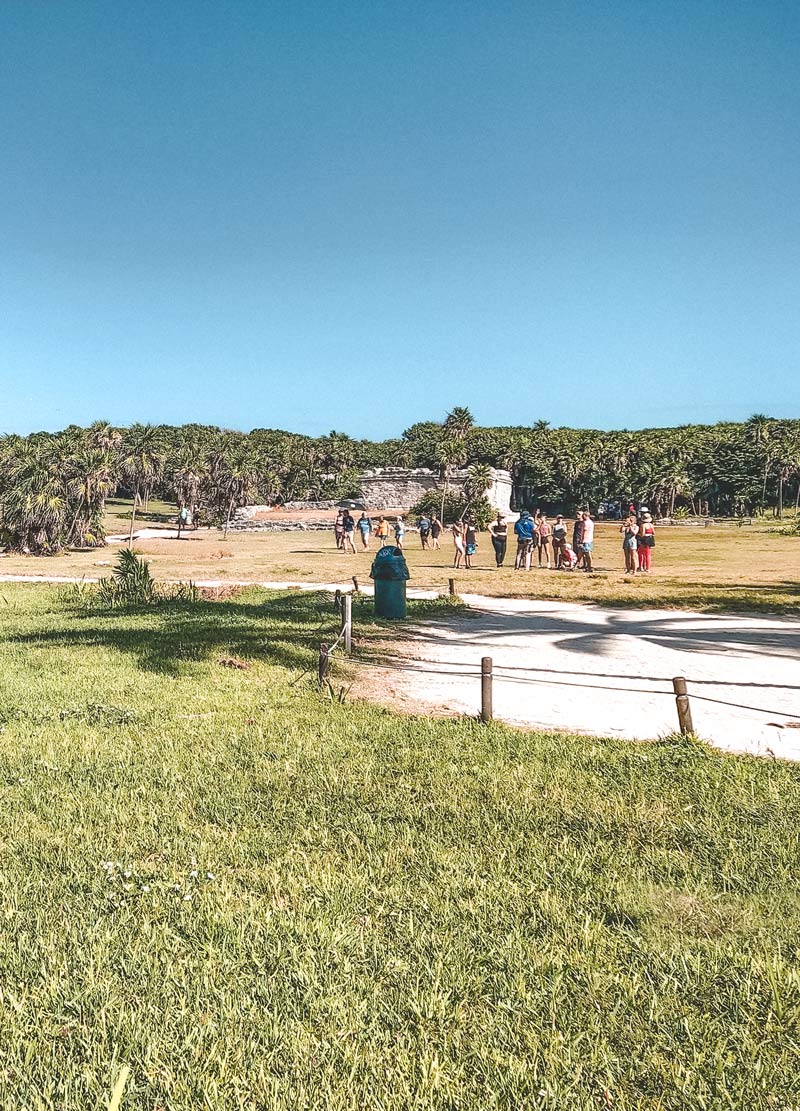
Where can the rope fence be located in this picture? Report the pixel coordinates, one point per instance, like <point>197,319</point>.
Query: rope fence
<point>488,671</point>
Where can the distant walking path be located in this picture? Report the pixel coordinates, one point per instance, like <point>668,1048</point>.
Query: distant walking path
<point>594,669</point>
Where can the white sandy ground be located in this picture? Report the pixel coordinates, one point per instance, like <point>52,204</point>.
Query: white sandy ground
<point>594,669</point>
<point>609,672</point>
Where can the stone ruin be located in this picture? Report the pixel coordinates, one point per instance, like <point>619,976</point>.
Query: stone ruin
<point>383,488</point>
<point>400,488</point>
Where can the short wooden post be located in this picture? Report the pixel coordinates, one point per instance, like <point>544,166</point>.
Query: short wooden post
<point>682,702</point>
<point>355,584</point>
<point>452,585</point>
<point>324,663</point>
<point>486,688</point>
<point>347,623</point>
<point>337,600</point>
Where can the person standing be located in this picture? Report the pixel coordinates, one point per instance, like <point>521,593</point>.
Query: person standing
<point>646,541</point>
<point>365,530</point>
<point>470,540</point>
<point>499,533</point>
<point>436,532</point>
<point>424,530</point>
<point>545,535</point>
<point>524,532</point>
<point>349,527</point>
<point>577,529</point>
<point>338,529</point>
<point>559,540</point>
<point>399,532</point>
<point>458,543</point>
<point>629,530</point>
<point>382,531</point>
<point>587,540</point>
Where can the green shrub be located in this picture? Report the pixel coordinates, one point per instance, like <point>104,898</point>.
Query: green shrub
<point>455,506</point>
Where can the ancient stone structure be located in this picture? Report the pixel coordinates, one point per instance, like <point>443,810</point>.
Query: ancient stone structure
<point>387,488</point>
<point>399,488</point>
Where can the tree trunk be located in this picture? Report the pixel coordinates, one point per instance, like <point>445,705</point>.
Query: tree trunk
<point>228,520</point>
<point>133,516</point>
<point>780,497</point>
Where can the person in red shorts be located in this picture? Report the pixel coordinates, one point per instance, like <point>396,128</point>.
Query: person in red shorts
<point>645,542</point>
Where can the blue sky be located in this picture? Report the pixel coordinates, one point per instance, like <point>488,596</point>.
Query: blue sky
<point>356,215</point>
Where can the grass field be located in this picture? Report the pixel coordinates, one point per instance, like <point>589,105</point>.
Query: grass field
<point>258,898</point>
<point>719,568</point>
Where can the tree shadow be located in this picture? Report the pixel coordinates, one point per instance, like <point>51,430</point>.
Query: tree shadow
<point>285,630</point>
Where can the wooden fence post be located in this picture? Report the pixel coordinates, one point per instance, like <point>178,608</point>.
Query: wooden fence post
<point>452,585</point>
<point>682,702</point>
<point>355,584</point>
<point>347,623</point>
<point>486,688</point>
<point>324,663</point>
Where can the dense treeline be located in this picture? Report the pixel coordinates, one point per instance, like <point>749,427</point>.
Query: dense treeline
<point>53,487</point>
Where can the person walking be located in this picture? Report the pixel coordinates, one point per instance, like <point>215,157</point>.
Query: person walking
<point>498,530</point>
<point>646,541</point>
<point>559,540</point>
<point>365,530</point>
<point>436,532</point>
<point>587,540</point>
<point>470,540</point>
<point>524,532</point>
<point>399,532</point>
<point>424,530</point>
<point>458,543</point>
<point>545,536</point>
<point>629,530</point>
<point>382,531</point>
<point>349,528</point>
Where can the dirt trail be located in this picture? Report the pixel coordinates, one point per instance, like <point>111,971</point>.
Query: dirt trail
<point>608,671</point>
<point>594,669</point>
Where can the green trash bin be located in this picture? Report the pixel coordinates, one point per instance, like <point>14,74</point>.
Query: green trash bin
<point>389,573</point>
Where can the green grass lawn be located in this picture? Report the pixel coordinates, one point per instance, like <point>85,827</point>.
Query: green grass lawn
<point>258,898</point>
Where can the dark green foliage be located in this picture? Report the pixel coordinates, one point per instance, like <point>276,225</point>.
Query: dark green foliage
<point>455,507</point>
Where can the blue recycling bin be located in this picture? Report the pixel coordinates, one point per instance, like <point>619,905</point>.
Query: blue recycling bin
<point>389,573</point>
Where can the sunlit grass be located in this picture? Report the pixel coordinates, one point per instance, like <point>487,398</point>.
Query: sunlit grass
<point>259,898</point>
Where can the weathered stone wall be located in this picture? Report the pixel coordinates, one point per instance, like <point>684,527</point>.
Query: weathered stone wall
<point>396,487</point>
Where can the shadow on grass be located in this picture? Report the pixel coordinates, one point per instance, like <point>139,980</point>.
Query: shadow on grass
<point>284,630</point>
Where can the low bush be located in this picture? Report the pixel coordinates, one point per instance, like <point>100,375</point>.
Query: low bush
<point>456,506</point>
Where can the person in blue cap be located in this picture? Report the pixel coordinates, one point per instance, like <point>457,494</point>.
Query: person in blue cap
<point>524,532</point>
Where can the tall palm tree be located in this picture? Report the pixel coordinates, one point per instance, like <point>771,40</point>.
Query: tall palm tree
<point>142,458</point>
<point>449,455</point>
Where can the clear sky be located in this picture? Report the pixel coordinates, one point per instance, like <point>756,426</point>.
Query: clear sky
<point>356,215</point>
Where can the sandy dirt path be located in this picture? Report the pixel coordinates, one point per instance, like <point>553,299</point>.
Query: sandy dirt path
<point>593,669</point>
<point>608,672</point>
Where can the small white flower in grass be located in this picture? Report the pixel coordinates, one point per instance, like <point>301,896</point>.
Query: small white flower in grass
<point>187,896</point>
<point>194,873</point>
<point>145,887</point>
<point>210,876</point>
<point>127,873</point>
<point>176,887</point>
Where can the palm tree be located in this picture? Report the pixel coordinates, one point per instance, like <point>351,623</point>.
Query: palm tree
<point>478,480</point>
<point>758,430</point>
<point>449,455</point>
<point>142,462</point>
<point>458,422</point>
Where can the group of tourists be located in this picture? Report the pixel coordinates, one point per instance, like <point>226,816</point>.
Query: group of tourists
<point>638,541</point>
<point>550,544</point>
<point>346,526</point>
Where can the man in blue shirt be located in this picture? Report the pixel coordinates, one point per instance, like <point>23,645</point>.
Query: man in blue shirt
<point>524,530</point>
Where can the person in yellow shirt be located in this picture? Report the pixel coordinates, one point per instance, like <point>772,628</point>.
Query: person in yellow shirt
<point>382,531</point>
